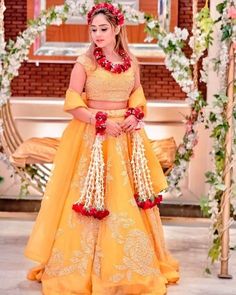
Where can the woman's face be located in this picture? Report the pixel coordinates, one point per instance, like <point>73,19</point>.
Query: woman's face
<point>102,32</point>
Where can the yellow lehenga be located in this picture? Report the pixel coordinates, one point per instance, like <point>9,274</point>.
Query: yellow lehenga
<point>125,252</point>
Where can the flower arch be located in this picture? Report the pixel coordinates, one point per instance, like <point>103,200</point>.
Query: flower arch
<point>14,53</point>
<point>182,69</point>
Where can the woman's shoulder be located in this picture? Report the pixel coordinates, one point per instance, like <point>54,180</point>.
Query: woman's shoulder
<point>86,61</point>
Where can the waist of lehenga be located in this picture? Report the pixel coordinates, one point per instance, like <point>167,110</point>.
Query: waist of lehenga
<point>110,113</point>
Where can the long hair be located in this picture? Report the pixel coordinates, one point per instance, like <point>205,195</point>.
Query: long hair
<point>121,37</point>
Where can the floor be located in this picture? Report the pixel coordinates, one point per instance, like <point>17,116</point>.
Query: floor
<point>186,238</point>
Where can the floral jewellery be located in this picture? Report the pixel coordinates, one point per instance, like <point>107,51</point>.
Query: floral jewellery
<point>145,196</point>
<point>100,125</point>
<point>109,66</point>
<point>91,201</point>
<point>115,11</point>
<point>137,112</point>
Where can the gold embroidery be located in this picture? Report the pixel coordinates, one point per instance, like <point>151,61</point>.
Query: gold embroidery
<point>120,148</point>
<point>88,136</point>
<point>109,176</point>
<point>80,259</point>
<point>138,256</point>
<point>116,222</point>
<point>97,261</point>
<point>59,233</point>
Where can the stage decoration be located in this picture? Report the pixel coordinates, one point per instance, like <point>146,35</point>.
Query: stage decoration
<point>220,203</point>
<point>171,43</point>
<point>13,54</point>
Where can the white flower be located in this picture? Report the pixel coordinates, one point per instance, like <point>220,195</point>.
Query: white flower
<point>57,22</point>
<point>181,34</point>
<point>59,9</point>
<point>148,39</point>
<point>151,24</point>
<point>182,150</point>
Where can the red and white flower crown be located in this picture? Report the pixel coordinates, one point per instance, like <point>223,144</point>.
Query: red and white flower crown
<point>115,11</point>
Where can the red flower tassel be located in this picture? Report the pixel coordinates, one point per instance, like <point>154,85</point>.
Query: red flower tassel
<point>98,214</point>
<point>147,204</point>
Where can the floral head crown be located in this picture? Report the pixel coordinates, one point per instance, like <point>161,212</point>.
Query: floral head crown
<point>107,6</point>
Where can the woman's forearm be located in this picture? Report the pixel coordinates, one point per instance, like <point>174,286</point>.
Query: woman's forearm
<point>83,115</point>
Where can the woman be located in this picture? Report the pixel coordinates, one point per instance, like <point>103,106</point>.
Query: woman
<point>99,230</point>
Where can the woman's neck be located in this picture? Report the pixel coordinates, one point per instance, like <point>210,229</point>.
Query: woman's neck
<point>111,54</point>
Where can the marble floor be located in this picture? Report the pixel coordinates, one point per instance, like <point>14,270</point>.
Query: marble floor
<point>186,238</point>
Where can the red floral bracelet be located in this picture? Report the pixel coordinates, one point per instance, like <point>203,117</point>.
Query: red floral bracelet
<point>100,124</point>
<point>137,112</point>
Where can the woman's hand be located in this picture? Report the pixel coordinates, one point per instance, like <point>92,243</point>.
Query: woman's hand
<point>129,124</point>
<point>112,128</point>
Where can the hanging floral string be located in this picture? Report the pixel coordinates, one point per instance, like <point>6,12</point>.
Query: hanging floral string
<point>145,196</point>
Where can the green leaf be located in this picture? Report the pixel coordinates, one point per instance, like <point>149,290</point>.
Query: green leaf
<point>214,251</point>
<point>204,205</point>
<point>212,117</point>
<point>208,271</point>
<point>221,6</point>
<point>220,187</point>
<point>1,179</point>
<point>226,32</point>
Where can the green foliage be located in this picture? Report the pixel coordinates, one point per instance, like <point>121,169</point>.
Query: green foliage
<point>214,251</point>
<point>211,177</point>
<point>199,103</point>
<point>1,179</point>
<point>226,32</point>
<point>221,6</point>
<point>208,271</point>
<point>205,23</point>
<point>220,130</point>
<point>154,32</point>
<point>32,171</point>
<point>204,205</point>
<point>24,189</point>
<point>220,160</point>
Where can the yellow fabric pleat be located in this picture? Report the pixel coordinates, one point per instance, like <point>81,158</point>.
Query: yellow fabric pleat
<point>137,99</point>
<point>124,253</point>
<point>74,100</point>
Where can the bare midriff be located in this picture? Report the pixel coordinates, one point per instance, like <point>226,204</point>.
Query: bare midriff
<point>107,105</point>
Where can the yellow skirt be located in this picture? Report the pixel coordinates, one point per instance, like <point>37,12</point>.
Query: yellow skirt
<point>125,252</point>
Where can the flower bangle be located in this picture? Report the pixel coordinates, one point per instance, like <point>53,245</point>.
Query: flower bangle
<point>137,112</point>
<point>100,124</point>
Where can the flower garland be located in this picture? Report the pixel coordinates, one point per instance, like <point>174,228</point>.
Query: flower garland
<point>171,43</point>
<point>109,66</point>
<point>111,8</point>
<point>217,120</point>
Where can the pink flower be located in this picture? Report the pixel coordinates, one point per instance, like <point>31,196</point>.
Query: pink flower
<point>232,12</point>
<point>234,45</point>
<point>189,127</point>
